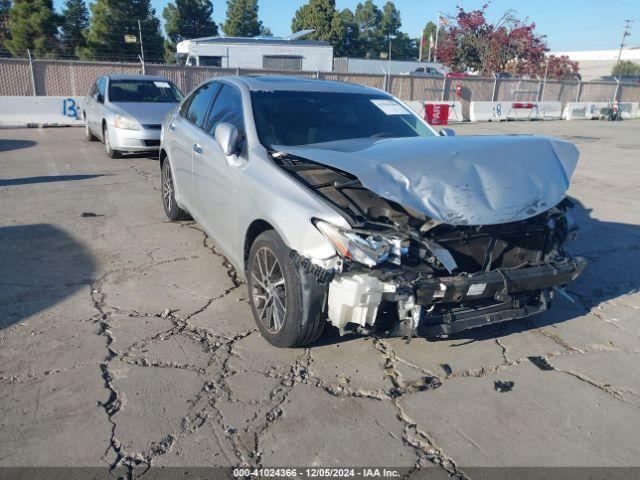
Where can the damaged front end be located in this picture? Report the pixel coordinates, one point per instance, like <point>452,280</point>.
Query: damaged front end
<point>399,272</point>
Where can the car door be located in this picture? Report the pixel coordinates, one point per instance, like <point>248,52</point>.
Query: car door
<point>184,128</point>
<point>97,106</point>
<point>216,177</point>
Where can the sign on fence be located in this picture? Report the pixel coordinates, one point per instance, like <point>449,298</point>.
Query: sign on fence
<point>436,113</point>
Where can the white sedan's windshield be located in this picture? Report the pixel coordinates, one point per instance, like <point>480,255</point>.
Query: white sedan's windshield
<point>300,118</point>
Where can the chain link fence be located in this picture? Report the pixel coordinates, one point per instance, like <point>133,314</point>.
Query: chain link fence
<point>75,78</point>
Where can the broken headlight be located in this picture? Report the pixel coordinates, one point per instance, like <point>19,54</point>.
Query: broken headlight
<point>370,250</point>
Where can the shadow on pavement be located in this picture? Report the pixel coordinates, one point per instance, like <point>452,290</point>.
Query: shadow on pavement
<point>41,265</point>
<point>9,182</point>
<point>14,144</point>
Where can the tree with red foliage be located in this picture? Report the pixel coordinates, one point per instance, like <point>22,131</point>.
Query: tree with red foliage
<point>510,45</point>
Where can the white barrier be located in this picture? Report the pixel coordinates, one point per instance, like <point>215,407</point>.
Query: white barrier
<point>455,108</point>
<point>40,111</point>
<point>498,111</point>
<point>629,110</point>
<point>583,110</point>
<point>591,110</point>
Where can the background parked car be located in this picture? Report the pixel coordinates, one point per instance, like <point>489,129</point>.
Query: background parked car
<point>126,112</point>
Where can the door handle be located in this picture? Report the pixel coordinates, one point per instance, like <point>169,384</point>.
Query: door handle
<point>171,127</point>
<point>198,149</point>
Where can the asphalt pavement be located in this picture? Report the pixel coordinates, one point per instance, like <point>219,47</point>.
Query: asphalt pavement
<point>126,339</point>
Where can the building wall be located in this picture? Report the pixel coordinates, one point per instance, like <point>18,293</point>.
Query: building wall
<point>375,66</point>
<point>234,55</point>
<point>595,64</point>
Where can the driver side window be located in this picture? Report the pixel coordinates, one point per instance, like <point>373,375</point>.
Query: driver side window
<point>227,108</point>
<point>196,107</point>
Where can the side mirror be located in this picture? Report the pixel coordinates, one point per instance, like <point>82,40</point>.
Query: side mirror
<point>447,132</point>
<point>227,136</point>
<point>100,98</point>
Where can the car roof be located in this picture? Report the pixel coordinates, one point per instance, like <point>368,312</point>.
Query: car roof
<point>121,76</point>
<point>282,83</point>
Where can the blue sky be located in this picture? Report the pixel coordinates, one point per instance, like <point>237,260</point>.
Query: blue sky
<point>568,24</point>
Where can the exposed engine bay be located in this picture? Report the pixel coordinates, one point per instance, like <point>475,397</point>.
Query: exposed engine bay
<point>401,273</point>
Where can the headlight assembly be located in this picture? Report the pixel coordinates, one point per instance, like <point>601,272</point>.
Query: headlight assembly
<point>369,251</point>
<point>120,121</point>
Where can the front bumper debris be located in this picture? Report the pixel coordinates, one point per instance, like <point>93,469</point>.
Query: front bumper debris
<point>445,305</point>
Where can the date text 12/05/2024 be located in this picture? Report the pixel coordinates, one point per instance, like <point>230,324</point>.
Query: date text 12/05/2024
<point>318,472</point>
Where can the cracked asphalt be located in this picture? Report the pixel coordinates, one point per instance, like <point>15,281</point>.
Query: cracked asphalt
<point>127,340</point>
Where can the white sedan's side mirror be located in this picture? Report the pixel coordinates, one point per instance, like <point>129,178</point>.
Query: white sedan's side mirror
<point>227,136</point>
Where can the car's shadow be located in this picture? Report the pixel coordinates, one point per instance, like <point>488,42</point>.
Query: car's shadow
<point>6,145</point>
<point>40,266</point>
<point>612,250</point>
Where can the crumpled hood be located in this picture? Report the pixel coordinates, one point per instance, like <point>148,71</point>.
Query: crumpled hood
<point>467,180</point>
<point>145,113</point>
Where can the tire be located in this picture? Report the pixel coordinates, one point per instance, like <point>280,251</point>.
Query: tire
<point>171,208</point>
<point>111,153</point>
<point>90,137</point>
<point>287,303</point>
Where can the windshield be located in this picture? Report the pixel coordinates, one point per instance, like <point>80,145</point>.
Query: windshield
<point>290,118</point>
<point>144,91</point>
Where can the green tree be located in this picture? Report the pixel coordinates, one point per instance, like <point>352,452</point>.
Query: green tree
<point>390,20</point>
<point>318,15</point>
<point>330,25</point>
<point>5,33</point>
<point>368,18</point>
<point>112,20</point>
<point>242,19</point>
<point>33,25</point>
<point>186,19</point>
<point>403,47</point>
<point>349,43</point>
<point>626,67</point>
<point>75,18</point>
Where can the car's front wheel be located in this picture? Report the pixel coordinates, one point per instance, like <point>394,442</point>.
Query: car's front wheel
<point>111,153</point>
<point>171,208</point>
<point>287,304</point>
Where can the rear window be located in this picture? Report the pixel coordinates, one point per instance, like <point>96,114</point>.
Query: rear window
<point>143,91</point>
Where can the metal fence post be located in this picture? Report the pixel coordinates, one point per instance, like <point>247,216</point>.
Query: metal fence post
<point>579,92</point>
<point>33,75</point>
<point>495,87</point>
<point>444,88</point>
<point>615,94</point>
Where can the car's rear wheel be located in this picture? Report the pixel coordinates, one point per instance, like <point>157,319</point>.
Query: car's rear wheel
<point>111,153</point>
<point>287,313</point>
<point>171,208</point>
<point>90,137</point>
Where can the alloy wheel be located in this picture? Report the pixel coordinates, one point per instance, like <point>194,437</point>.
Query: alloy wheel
<point>268,290</point>
<point>167,187</point>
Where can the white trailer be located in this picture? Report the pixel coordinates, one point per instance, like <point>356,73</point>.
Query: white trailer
<point>260,53</point>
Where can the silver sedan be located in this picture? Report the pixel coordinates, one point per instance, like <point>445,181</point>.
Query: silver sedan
<point>126,112</point>
<point>340,205</point>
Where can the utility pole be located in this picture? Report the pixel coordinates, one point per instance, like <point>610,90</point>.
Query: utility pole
<point>141,47</point>
<point>625,33</point>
